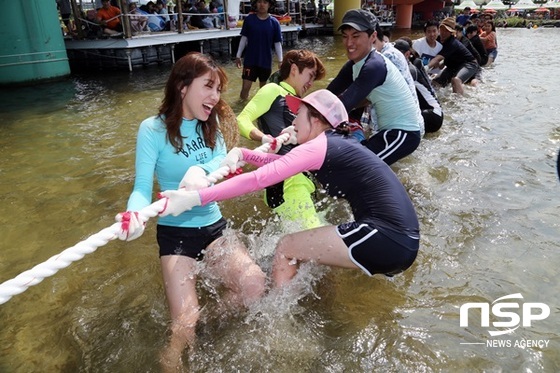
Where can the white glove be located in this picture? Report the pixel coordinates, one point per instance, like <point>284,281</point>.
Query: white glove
<point>233,160</point>
<point>273,143</point>
<point>194,179</point>
<point>132,226</point>
<point>293,135</point>
<point>179,201</point>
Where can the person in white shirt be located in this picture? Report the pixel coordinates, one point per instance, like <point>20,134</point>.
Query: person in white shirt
<point>428,47</point>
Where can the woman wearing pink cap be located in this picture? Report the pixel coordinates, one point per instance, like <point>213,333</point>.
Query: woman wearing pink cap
<point>383,238</point>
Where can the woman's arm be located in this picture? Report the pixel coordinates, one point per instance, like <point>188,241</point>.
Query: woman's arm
<point>146,158</point>
<point>258,106</point>
<point>274,168</point>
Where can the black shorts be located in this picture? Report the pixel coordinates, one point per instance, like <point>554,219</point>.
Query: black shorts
<point>392,145</point>
<point>188,241</point>
<point>253,72</point>
<point>377,252</point>
<point>432,121</point>
<point>467,71</point>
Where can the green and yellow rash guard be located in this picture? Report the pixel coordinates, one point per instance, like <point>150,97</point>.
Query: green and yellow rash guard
<point>268,108</point>
<point>290,199</point>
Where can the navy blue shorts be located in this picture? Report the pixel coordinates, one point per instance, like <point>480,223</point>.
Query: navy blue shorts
<point>432,121</point>
<point>253,72</point>
<point>392,145</point>
<point>188,241</point>
<point>376,252</point>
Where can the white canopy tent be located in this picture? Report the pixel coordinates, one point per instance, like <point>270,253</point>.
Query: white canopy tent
<point>467,3</point>
<point>552,4</point>
<point>525,5</point>
<point>496,5</point>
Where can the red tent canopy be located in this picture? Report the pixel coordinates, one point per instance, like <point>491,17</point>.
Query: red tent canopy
<point>542,10</point>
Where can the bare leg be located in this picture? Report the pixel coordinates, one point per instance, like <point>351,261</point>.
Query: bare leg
<point>322,245</point>
<point>457,85</point>
<point>435,84</point>
<point>245,88</point>
<point>228,259</point>
<point>180,288</point>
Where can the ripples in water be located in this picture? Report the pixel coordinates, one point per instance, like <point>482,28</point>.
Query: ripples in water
<point>485,189</point>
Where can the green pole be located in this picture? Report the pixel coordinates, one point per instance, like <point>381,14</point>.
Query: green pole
<point>32,46</point>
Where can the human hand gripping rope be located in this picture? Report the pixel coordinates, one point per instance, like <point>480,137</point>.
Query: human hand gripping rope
<point>179,201</point>
<point>129,226</point>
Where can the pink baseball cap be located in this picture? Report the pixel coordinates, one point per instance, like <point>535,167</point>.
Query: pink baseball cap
<point>325,102</point>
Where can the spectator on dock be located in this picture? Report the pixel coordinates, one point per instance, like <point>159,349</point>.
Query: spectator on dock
<point>149,7</point>
<point>65,12</point>
<point>92,29</point>
<point>138,22</point>
<point>260,34</point>
<point>109,18</point>
<point>323,18</point>
<point>201,18</point>
<point>161,10</point>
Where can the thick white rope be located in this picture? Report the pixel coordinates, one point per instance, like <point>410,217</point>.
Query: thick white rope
<point>48,268</point>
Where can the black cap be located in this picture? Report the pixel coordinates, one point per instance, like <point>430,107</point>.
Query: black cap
<point>359,19</point>
<point>402,45</point>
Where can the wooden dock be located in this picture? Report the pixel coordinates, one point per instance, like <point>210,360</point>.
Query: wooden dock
<point>165,47</point>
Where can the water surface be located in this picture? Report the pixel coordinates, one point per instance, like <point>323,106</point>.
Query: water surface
<point>485,189</point>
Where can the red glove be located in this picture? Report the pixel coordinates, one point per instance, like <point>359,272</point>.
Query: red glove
<point>132,226</point>
<point>268,139</point>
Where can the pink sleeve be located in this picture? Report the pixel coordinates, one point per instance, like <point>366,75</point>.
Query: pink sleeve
<point>258,158</point>
<point>274,168</point>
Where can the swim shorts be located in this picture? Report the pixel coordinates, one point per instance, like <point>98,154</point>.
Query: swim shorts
<point>253,72</point>
<point>188,241</point>
<point>378,252</point>
<point>392,145</point>
<point>432,121</point>
<point>464,73</point>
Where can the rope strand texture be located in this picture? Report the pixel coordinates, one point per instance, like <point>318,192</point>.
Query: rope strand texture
<point>72,254</point>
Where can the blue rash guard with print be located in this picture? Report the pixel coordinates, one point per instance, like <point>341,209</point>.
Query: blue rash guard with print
<point>156,156</point>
